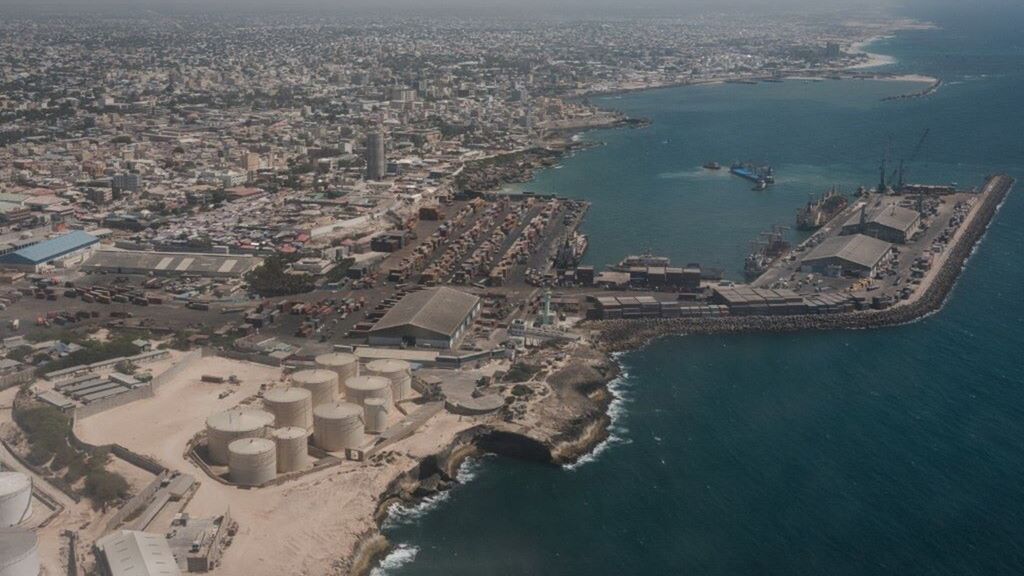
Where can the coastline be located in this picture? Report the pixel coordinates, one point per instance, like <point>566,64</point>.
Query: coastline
<point>561,428</point>
<point>573,439</point>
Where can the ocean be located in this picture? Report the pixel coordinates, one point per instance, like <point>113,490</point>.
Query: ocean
<point>891,451</point>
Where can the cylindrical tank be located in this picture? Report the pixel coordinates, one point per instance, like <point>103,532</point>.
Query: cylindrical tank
<point>292,448</point>
<point>224,428</point>
<point>15,498</point>
<point>338,426</point>
<point>375,414</point>
<point>323,384</point>
<point>19,552</point>
<point>344,365</point>
<point>252,461</point>
<point>290,406</point>
<point>399,372</point>
<point>358,389</point>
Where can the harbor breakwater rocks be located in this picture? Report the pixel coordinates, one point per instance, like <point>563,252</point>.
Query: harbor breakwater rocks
<point>622,335</point>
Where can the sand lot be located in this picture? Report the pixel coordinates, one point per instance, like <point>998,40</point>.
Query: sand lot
<point>301,527</point>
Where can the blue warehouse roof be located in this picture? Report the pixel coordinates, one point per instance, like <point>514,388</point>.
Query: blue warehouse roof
<point>50,249</point>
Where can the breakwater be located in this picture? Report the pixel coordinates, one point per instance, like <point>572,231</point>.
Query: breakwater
<point>930,89</point>
<point>619,335</point>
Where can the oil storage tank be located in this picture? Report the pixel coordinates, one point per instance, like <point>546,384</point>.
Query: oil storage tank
<point>292,448</point>
<point>344,365</point>
<point>358,389</point>
<point>290,406</point>
<point>19,552</point>
<point>224,428</point>
<point>375,415</point>
<point>15,498</point>
<point>399,372</point>
<point>338,426</point>
<point>252,461</point>
<point>322,384</point>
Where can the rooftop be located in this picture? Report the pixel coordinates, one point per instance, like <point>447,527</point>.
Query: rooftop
<point>441,310</point>
<point>857,248</point>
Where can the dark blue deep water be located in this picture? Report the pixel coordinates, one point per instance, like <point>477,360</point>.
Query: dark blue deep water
<point>895,451</point>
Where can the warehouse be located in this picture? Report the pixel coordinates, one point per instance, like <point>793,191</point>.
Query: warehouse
<point>891,223</point>
<point>434,318</point>
<point>131,553</point>
<point>171,263</point>
<point>65,250</point>
<point>856,255</point>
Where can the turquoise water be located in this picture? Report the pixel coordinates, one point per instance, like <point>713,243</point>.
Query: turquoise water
<point>895,451</point>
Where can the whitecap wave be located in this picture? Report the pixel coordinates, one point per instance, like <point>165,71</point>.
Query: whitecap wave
<point>619,389</point>
<point>404,514</point>
<point>400,514</point>
<point>400,556</point>
<point>470,468</point>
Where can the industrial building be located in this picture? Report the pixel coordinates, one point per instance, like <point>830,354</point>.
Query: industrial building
<point>856,255</point>
<point>171,263</point>
<point>132,553</point>
<point>64,250</point>
<point>891,223</point>
<point>433,318</point>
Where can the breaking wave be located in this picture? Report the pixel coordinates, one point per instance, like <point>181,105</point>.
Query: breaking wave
<point>402,554</point>
<point>620,391</point>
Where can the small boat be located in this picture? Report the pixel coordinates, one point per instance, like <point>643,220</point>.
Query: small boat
<point>713,166</point>
<point>761,184</point>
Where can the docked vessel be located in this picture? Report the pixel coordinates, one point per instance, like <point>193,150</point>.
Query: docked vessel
<point>572,250</point>
<point>764,252</point>
<point>819,211</point>
<point>754,173</point>
<point>643,260</point>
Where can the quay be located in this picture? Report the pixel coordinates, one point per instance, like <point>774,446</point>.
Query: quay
<point>615,335</point>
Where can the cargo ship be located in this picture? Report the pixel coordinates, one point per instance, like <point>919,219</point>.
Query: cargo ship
<point>761,175</point>
<point>819,211</point>
<point>764,252</point>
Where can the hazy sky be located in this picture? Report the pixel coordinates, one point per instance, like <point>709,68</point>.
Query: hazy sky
<point>519,7</point>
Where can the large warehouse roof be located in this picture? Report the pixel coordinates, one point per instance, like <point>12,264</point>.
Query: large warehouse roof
<point>50,249</point>
<point>136,262</point>
<point>131,553</point>
<point>891,216</point>
<point>857,249</point>
<point>441,310</point>
<point>897,218</point>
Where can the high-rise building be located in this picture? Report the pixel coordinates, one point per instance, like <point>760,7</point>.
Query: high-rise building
<point>376,161</point>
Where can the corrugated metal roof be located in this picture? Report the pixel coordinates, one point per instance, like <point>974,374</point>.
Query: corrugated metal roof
<point>441,310</point>
<point>131,553</point>
<point>50,249</point>
<point>859,249</point>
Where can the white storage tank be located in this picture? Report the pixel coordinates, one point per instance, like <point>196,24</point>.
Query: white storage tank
<point>252,461</point>
<point>322,384</point>
<point>344,365</point>
<point>290,406</point>
<point>358,389</point>
<point>15,498</point>
<point>399,372</point>
<point>19,552</point>
<point>338,426</point>
<point>224,428</point>
<point>375,414</point>
<point>292,448</point>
